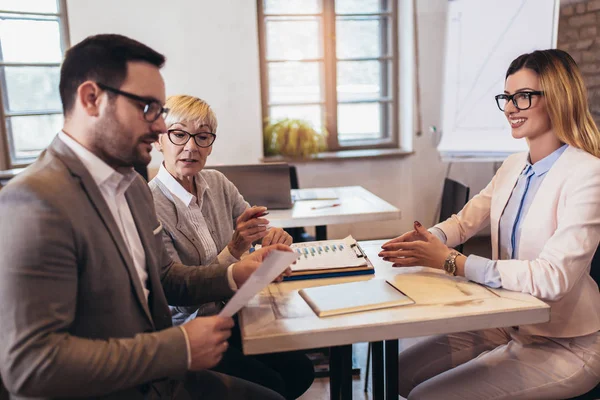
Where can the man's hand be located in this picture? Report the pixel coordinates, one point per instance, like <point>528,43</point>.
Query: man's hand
<point>276,235</point>
<point>244,268</point>
<point>249,227</point>
<point>208,340</point>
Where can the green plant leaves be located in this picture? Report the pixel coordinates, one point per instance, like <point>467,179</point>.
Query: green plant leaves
<point>293,138</point>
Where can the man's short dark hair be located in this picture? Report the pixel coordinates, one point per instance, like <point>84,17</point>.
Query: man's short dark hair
<point>101,58</point>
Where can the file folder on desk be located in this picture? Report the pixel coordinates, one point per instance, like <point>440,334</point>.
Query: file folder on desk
<point>343,298</point>
<point>329,258</point>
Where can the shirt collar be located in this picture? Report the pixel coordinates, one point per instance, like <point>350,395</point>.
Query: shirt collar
<point>178,190</point>
<point>544,165</point>
<point>102,173</point>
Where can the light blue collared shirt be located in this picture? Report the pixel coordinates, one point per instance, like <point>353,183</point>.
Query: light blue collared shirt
<point>483,270</point>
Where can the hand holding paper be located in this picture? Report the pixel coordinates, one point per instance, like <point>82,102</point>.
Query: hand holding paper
<point>274,264</point>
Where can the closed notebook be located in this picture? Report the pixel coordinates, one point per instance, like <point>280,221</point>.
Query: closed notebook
<point>351,297</point>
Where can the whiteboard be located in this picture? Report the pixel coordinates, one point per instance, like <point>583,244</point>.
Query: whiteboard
<point>483,37</point>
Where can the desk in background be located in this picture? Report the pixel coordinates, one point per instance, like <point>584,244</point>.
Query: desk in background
<point>278,319</point>
<point>357,204</point>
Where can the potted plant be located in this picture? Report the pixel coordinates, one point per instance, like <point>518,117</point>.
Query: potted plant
<point>293,138</point>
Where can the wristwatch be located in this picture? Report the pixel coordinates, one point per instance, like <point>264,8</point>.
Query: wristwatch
<point>450,263</point>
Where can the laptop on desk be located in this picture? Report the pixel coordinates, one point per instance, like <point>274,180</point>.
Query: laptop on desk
<point>261,184</point>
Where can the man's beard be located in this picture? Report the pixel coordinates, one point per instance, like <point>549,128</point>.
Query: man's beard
<point>114,143</point>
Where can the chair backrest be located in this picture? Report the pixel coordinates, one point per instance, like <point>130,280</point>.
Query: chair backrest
<point>294,177</point>
<point>454,197</point>
<point>3,392</point>
<point>142,170</point>
<point>595,268</point>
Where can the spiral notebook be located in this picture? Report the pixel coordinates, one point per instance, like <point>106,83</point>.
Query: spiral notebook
<point>329,258</point>
<point>352,297</point>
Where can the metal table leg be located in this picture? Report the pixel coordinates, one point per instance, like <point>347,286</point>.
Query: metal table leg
<point>321,232</point>
<point>340,372</point>
<point>377,367</point>
<point>391,369</point>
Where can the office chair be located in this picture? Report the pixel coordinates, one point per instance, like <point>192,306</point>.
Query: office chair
<point>3,392</point>
<point>595,273</point>
<point>454,197</point>
<point>142,170</point>
<point>297,234</point>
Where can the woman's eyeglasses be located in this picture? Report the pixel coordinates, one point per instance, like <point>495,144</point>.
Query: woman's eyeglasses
<point>180,137</point>
<point>521,100</point>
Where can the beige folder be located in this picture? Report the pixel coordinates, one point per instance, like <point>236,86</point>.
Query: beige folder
<point>351,297</point>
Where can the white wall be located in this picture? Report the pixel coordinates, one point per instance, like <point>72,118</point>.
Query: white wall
<point>212,52</point>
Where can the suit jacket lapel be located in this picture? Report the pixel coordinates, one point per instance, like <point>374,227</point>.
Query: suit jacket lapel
<point>143,229</point>
<point>77,169</point>
<point>547,190</point>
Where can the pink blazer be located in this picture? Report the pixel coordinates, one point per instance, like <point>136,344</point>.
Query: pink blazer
<point>559,236</point>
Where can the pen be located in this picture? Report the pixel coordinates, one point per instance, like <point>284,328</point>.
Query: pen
<point>325,206</point>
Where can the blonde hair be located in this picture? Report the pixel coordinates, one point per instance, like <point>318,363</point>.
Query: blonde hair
<point>566,97</point>
<point>191,109</point>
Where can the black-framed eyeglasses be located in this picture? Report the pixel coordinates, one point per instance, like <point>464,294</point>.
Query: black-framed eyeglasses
<point>152,108</point>
<point>521,100</point>
<point>180,137</point>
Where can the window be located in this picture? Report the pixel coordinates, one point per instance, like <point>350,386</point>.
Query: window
<point>33,38</point>
<point>335,64</point>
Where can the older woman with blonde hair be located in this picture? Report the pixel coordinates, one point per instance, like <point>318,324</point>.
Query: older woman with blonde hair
<point>206,220</point>
<point>544,211</point>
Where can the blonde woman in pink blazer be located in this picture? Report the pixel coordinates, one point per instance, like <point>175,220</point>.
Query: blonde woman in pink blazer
<point>544,210</point>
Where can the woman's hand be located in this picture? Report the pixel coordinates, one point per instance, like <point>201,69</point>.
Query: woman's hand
<point>249,228</point>
<point>417,248</point>
<point>277,235</point>
<point>410,236</point>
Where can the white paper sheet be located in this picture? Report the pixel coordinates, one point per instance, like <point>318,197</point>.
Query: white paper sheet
<point>273,266</point>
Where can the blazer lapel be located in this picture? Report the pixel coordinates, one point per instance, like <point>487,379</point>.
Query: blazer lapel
<point>143,229</point>
<point>77,169</point>
<point>547,190</point>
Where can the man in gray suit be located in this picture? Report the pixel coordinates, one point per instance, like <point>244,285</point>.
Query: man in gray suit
<point>84,277</point>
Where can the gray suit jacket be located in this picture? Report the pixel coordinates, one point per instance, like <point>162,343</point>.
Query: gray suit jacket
<point>74,320</point>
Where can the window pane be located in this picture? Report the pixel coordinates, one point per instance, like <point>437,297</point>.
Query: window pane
<point>32,88</point>
<point>360,121</point>
<point>293,39</point>
<point>32,134</point>
<point>357,6</point>
<point>358,38</point>
<point>311,114</point>
<point>43,6</point>
<point>294,82</point>
<point>359,80</point>
<point>292,6</point>
<point>30,41</point>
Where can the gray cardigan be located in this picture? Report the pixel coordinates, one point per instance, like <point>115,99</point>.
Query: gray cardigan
<point>221,205</point>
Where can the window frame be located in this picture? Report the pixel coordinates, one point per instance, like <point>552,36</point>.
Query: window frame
<point>6,152</point>
<point>329,103</point>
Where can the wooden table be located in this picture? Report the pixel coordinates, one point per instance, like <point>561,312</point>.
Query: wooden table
<point>278,319</point>
<point>356,204</point>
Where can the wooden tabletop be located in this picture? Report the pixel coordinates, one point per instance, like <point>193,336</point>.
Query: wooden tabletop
<point>278,319</point>
<point>356,204</point>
